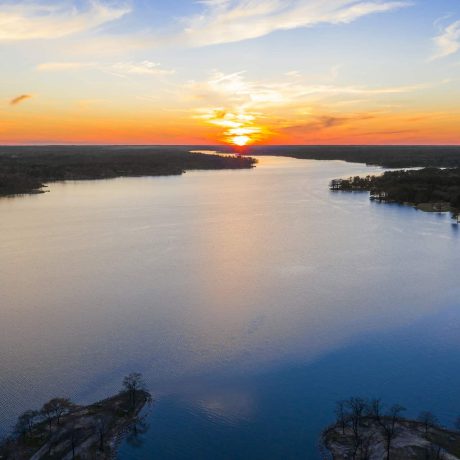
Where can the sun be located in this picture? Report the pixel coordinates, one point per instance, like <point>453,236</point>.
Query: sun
<point>241,140</point>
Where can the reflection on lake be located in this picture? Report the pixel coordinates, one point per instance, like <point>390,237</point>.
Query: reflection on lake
<point>251,300</point>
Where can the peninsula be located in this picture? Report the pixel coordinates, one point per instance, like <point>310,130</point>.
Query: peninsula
<point>428,189</point>
<point>365,431</point>
<point>27,169</point>
<point>66,431</point>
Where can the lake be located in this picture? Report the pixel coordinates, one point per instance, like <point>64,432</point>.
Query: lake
<point>251,301</point>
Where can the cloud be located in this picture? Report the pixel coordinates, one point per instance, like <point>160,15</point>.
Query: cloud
<point>17,100</point>
<point>321,122</point>
<point>63,66</point>
<point>119,69</point>
<point>249,108</point>
<point>448,41</point>
<point>28,20</point>
<point>140,68</point>
<point>224,21</point>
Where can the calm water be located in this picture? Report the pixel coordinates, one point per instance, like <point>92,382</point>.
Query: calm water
<point>250,300</point>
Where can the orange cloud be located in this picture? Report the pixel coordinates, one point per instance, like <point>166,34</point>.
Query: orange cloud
<point>17,100</point>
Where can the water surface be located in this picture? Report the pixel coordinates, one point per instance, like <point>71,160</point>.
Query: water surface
<point>251,300</point>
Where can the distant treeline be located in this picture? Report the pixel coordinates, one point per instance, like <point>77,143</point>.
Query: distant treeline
<point>429,185</point>
<point>27,169</point>
<point>386,156</point>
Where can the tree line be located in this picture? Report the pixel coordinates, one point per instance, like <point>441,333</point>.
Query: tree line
<point>360,420</point>
<point>60,420</point>
<point>428,185</point>
<point>26,169</point>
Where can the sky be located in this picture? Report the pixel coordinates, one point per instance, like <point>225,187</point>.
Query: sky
<point>229,72</point>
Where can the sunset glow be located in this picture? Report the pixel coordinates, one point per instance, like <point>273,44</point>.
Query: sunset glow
<point>126,73</point>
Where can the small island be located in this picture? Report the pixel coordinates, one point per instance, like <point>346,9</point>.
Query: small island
<point>428,189</point>
<point>66,431</point>
<point>27,169</point>
<point>364,430</point>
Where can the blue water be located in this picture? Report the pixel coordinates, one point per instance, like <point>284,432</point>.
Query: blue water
<point>250,300</point>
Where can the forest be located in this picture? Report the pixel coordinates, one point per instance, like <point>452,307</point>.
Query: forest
<point>27,169</point>
<point>428,185</point>
<point>385,156</point>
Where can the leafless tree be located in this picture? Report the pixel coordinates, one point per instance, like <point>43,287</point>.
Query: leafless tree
<point>133,383</point>
<point>342,415</point>
<point>26,421</point>
<point>389,425</point>
<point>102,427</point>
<point>429,420</point>
<point>47,412</point>
<point>375,409</point>
<point>60,406</point>
<point>457,423</point>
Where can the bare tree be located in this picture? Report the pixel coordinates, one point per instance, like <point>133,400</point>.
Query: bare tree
<point>61,406</point>
<point>457,423</point>
<point>26,421</point>
<point>133,383</point>
<point>429,420</point>
<point>389,425</point>
<point>342,415</point>
<point>56,408</point>
<point>357,408</point>
<point>47,412</point>
<point>75,437</point>
<point>375,409</point>
<point>102,427</point>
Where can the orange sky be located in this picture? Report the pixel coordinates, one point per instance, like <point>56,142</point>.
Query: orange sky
<point>304,72</point>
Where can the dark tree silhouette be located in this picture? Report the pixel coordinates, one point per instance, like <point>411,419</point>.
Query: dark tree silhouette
<point>342,414</point>
<point>428,419</point>
<point>389,425</point>
<point>101,427</point>
<point>47,412</point>
<point>60,406</point>
<point>133,383</point>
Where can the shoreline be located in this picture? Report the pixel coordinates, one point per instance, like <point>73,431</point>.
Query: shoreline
<point>94,430</point>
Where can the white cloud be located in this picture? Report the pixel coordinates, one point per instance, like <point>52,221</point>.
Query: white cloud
<point>27,20</point>
<point>448,42</point>
<point>140,68</point>
<point>63,66</point>
<point>224,21</point>
<point>120,69</point>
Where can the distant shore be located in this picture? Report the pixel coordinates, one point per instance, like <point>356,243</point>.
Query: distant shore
<point>27,170</point>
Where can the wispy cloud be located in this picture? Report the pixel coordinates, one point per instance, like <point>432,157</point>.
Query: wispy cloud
<point>17,100</point>
<point>120,69</point>
<point>140,68</point>
<point>26,20</point>
<point>241,107</point>
<point>448,41</point>
<point>225,21</point>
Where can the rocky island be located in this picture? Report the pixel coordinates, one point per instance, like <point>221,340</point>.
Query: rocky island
<point>66,431</point>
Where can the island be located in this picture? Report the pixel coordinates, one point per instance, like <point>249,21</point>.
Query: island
<point>428,189</point>
<point>27,169</point>
<point>365,431</point>
<point>66,431</point>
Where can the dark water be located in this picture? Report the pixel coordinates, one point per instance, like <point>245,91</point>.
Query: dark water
<point>250,300</point>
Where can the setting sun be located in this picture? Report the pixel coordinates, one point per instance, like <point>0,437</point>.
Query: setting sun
<point>241,140</point>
